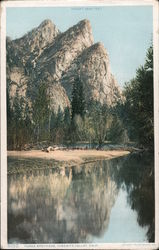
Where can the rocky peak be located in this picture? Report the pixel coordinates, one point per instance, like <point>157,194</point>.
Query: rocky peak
<point>82,30</point>
<point>27,49</point>
<point>38,37</point>
<point>93,68</point>
<point>95,73</point>
<point>57,58</point>
<point>97,46</point>
<point>96,51</point>
<point>46,22</point>
<point>83,26</point>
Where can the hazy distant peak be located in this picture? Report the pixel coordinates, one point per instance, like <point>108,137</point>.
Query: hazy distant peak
<point>46,22</point>
<point>84,22</point>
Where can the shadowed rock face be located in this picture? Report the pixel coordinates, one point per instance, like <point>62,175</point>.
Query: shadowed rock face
<point>93,67</point>
<point>44,54</point>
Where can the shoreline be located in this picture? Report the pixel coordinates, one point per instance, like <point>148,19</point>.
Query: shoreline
<point>77,156</point>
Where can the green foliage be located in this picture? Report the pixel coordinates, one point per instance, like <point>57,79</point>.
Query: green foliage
<point>19,126</point>
<point>67,124</point>
<point>60,126</point>
<point>67,117</point>
<point>138,106</point>
<point>117,133</point>
<point>100,119</point>
<point>94,122</point>
<point>98,125</point>
<point>78,102</point>
<point>41,112</point>
<point>95,126</point>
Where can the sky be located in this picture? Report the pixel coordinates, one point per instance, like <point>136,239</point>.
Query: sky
<point>125,31</point>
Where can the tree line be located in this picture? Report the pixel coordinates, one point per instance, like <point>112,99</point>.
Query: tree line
<point>129,120</point>
<point>137,110</point>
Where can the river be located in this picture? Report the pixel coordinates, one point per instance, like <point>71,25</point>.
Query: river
<point>104,201</point>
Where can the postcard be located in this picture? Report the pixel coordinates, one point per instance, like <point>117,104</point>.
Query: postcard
<point>80,124</point>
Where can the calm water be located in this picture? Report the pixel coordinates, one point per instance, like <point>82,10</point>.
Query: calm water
<point>103,201</point>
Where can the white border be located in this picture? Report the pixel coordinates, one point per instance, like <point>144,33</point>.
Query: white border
<point>156,114</point>
<point>3,130</point>
<point>68,3</point>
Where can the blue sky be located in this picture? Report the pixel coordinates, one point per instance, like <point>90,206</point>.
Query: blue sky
<point>126,31</point>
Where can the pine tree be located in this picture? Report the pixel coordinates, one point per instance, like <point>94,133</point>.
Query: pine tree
<point>78,102</point>
<point>67,117</point>
<point>41,111</point>
<point>138,106</point>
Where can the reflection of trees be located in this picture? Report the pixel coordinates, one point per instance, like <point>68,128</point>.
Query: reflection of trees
<point>63,205</point>
<point>137,173</point>
<point>71,204</point>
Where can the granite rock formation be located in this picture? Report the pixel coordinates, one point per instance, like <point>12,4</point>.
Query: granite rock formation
<point>55,59</point>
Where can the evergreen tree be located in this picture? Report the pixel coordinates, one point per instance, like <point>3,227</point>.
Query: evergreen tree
<point>78,102</point>
<point>59,130</point>
<point>67,124</point>
<point>100,120</point>
<point>138,106</point>
<point>67,117</point>
<point>117,132</point>
<point>41,112</point>
<point>59,118</point>
<point>28,126</point>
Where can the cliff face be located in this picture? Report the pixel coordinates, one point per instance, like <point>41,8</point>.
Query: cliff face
<point>67,46</point>
<point>56,59</point>
<point>93,68</point>
<point>27,49</point>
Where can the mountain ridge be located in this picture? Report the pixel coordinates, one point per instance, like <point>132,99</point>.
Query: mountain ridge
<point>56,58</point>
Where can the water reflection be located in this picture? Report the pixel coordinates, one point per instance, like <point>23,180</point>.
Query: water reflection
<point>137,173</point>
<point>73,204</point>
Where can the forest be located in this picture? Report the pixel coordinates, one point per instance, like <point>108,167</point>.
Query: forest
<point>130,120</point>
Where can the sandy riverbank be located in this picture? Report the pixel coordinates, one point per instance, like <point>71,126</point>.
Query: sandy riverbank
<point>78,156</point>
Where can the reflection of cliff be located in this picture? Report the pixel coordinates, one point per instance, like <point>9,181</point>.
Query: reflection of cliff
<point>36,198</point>
<point>67,205</point>
<point>92,196</point>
